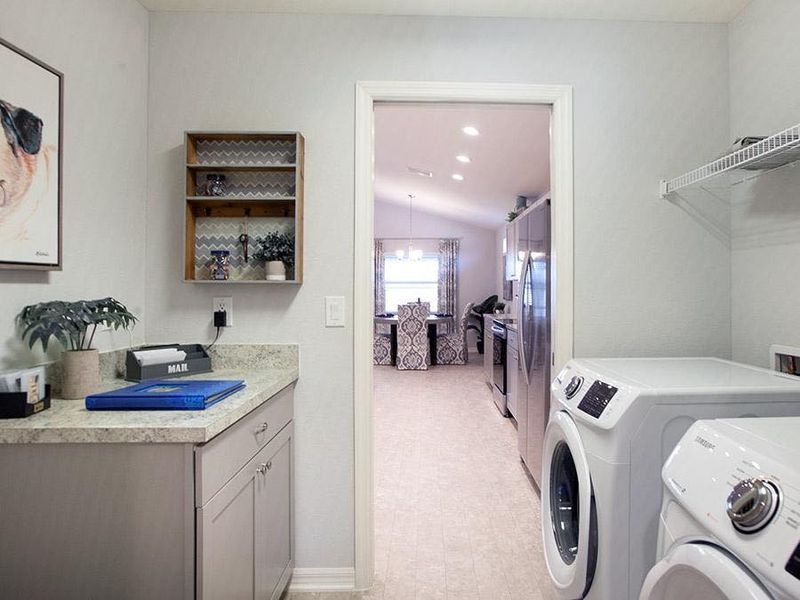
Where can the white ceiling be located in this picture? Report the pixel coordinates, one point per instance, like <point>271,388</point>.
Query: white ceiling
<point>697,11</point>
<point>510,157</point>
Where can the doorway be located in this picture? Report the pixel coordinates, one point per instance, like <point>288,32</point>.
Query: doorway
<point>367,94</point>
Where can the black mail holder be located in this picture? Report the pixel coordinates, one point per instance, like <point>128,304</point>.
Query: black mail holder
<point>197,361</point>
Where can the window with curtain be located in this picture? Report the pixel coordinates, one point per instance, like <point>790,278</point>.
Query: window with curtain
<point>408,280</point>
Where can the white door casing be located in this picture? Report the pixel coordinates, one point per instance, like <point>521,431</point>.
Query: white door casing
<point>561,166</point>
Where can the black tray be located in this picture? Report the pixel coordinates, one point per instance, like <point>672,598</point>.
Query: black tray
<point>197,361</point>
<point>15,405</point>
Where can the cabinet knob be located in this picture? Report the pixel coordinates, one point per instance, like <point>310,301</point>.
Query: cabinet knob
<point>262,468</point>
<point>262,428</point>
<point>268,465</point>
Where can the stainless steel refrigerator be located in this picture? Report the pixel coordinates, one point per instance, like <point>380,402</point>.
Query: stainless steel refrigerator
<point>533,300</point>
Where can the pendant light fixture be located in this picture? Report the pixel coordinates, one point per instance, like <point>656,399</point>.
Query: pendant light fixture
<point>413,254</point>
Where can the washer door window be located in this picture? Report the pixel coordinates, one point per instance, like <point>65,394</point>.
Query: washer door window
<point>568,523</point>
<point>700,572</point>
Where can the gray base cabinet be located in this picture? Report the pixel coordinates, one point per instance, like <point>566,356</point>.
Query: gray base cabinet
<point>158,520</point>
<point>244,533</point>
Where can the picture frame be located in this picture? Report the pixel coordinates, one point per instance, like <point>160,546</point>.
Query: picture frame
<point>31,162</point>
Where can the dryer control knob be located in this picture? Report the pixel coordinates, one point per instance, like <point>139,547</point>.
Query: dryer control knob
<point>752,504</point>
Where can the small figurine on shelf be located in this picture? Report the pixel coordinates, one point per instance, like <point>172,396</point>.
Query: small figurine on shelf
<point>215,185</point>
<point>220,269</point>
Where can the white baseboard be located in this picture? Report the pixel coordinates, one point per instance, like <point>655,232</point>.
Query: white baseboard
<point>323,580</point>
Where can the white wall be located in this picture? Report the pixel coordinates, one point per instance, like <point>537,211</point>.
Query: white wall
<point>101,47</point>
<point>765,99</point>
<point>649,280</point>
<point>477,271</point>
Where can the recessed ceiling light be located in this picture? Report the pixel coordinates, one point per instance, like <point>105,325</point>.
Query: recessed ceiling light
<point>457,177</point>
<point>470,130</point>
<point>463,158</point>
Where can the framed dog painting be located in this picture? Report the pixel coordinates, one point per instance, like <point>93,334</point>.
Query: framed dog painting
<point>31,113</point>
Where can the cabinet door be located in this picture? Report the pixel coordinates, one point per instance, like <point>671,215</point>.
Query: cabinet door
<point>510,263</point>
<point>226,539</point>
<point>274,551</point>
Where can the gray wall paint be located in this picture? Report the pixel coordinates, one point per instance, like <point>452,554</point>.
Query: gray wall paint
<point>101,47</point>
<point>477,261</point>
<point>649,279</point>
<point>765,98</point>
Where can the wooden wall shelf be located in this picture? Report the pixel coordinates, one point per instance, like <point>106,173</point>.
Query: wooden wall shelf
<point>264,192</point>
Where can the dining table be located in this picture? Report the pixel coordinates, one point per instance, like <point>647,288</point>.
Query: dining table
<point>433,321</point>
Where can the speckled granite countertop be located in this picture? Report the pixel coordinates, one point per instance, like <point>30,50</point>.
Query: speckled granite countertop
<point>267,369</point>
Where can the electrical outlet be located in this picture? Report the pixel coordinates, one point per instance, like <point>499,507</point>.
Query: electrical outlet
<point>225,304</point>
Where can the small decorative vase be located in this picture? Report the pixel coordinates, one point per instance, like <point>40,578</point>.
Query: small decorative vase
<point>220,269</point>
<point>80,373</point>
<point>276,270</point>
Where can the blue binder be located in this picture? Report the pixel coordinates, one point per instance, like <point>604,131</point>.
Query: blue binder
<point>165,394</point>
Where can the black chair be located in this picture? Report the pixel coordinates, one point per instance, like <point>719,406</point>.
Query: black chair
<point>476,318</point>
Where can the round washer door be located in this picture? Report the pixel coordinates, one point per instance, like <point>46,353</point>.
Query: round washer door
<point>568,527</point>
<point>700,572</point>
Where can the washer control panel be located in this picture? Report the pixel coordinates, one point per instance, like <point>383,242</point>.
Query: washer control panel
<point>596,398</point>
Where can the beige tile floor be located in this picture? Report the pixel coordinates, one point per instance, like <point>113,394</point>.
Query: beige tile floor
<point>456,517</point>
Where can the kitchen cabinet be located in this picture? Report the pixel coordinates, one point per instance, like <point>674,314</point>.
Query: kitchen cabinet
<point>511,261</point>
<point>512,369</point>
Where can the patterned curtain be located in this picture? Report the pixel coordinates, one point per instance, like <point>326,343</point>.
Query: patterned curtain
<point>380,279</point>
<point>448,277</point>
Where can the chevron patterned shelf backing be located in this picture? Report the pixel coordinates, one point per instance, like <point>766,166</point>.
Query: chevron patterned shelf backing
<point>245,152</point>
<point>223,234</point>
<point>254,185</point>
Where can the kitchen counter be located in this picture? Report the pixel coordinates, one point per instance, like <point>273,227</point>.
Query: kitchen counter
<point>68,421</point>
<point>505,318</point>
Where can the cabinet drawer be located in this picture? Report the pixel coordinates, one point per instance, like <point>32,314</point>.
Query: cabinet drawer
<point>219,460</point>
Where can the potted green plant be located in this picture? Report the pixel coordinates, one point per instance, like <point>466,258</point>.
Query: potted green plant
<point>74,324</point>
<point>276,250</point>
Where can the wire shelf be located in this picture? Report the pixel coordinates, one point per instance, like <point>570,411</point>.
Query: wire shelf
<point>768,154</point>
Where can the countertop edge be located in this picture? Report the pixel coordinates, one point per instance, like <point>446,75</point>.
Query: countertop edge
<point>148,435</point>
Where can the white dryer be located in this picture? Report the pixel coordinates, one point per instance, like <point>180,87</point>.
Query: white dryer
<point>730,521</point>
<point>613,423</point>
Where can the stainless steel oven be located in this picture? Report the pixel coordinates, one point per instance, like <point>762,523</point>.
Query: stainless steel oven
<point>499,361</point>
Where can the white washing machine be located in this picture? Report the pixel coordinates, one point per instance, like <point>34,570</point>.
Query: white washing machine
<point>730,522</point>
<point>613,423</point>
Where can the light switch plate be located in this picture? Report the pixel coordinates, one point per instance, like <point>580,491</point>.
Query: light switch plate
<point>334,311</point>
<point>227,304</point>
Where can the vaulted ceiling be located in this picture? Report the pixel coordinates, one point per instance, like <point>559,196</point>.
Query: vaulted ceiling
<point>509,157</point>
<point>691,11</point>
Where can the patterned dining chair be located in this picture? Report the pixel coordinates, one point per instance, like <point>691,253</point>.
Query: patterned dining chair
<point>451,348</point>
<point>382,349</point>
<point>413,349</point>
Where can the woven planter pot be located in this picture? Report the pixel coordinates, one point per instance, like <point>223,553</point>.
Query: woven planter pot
<point>81,373</point>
